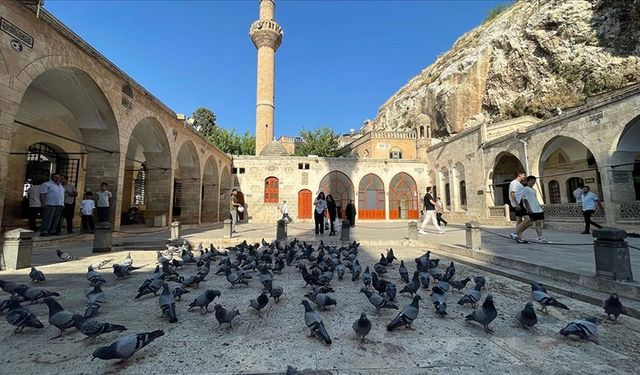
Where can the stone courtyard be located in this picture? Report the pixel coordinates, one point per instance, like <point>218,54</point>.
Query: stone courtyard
<point>278,337</point>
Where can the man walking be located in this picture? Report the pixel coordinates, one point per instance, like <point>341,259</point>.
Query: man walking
<point>52,200</point>
<point>285,212</point>
<point>590,202</point>
<point>536,213</point>
<point>103,203</point>
<point>516,193</point>
<point>70,194</point>
<point>429,209</point>
<point>233,209</point>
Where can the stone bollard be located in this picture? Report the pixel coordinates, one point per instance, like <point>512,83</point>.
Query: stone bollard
<point>344,231</point>
<point>102,238</point>
<point>175,230</point>
<point>160,221</point>
<point>473,235</point>
<point>226,229</point>
<point>413,230</point>
<point>612,254</point>
<point>16,249</point>
<point>281,232</point>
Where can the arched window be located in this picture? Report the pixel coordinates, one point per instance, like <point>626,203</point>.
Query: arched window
<point>447,195</point>
<point>403,197</point>
<point>371,198</point>
<point>395,153</point>
<point>422,132</point>
<point>271,190</point>
<point>572,184</point>
<point>140,186</point>
<point>554,192</point>
<point>463,194</point>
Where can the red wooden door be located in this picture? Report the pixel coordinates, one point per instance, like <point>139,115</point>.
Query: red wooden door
<point>304,204</point>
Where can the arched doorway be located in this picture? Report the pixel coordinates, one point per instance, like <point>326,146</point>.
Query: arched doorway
<point>148,151</point>
<point>568,162</point>
<point>371,198</point>
<point>340,187</point>
<point>403,199</point>
<point>305,204</point>
<point>210,194</point>
<point>225,194</point>
<point>187,187</point>
<point>504,171</point>
<point>627,162</point>
<point>65,110</point>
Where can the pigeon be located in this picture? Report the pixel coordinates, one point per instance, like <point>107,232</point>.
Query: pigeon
<point>34,294</point>
<point>94,277</point>
<point>64,256</point>
<point>168,304</point>
<point>613,306</point>
<point>366,277</point>
<point>390,256</point>
<point>153,287</point>
<point>485,314</point>
<point>193,280</point>
<point>439,299</point>
<point>204,270</point>
<point>292,371</point>
<point>586,329</point>
<point>20,316</point>
<point>449,272</point>
<point>424,279</point>
<point>93,328</point>
<point>413,285</point>
<point>355,271</point>
<point>362,326</point>
<point>126,346</point>
<point>121,271</point>
<point>60,317</point>
<point>5,304</point>
<point>313,320</point>
<point>95,299</point>
<point>404,274</point>
<point>472,296</point>
<point>225,315</point>
<point>322,300</point>
<point>391,291</point>
<point>102,263</point>
<point>340,270</point>
<point>378,301</point>
<point>379,269</point>
<point>459,284</point>
<point>233,277</point>
<point>178,291</point>
<point>128,261</point>
<point>36,276</point>
<point>204,300</point>
<point>9,286</point>
<point>406,316</point>
<point>539,294</point>
<point>276,293</point>
<point>527,316</point>
<point>260,302</point>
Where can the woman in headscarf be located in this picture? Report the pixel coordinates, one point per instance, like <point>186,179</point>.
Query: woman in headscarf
<point>333,213</point>
<point>318,214</point>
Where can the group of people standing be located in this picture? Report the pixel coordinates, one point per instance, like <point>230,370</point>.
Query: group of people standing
<point>327,206</point>
<point>55,201</point>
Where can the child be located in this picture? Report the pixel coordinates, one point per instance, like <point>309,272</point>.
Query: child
<point>104,202</point>
<point>536,213</point>
<point>86,210</point>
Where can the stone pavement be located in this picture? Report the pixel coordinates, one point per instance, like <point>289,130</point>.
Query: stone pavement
<point>267,343</point>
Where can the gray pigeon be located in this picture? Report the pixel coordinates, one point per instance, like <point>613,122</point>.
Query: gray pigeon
<point>60,317</point>
<point>424,279</point>
<point>93,328</point>
<point>204,300</point>
<point>378,301</point>
<point>36,276</point>
<point>407,315</point>
<point>362,326</point>
<point>404,273</point>
<point>9,286</point>
<point>20,316</point>
<point>225,315</point>
<point>613,306</point>
<point>321,300</point>
<point>260,302</point>
<point>98,265</point>
<point>586,329</point>
<point>356,269</point>
<point>153,287</point>
<point>527,317</point>
<point>366,277</point>
<point>94,277</point>
<point>459,284</point>
<point>413,285</point>
<point>64,256</point>
<point>539,294</point>
<point>126,346</point>
<point>234,278</point>
<point>340,270</point>
<point>168,304</point>
<point>178,291</point>
<point>95,299</point>
<point>128,261</point>
<point>193,280</point>
<point>276,293</point>
<point>485,314</point>
<point>472,296</point>
<point>34,294</point>
<point>313,320</point>
<point>439,299</point>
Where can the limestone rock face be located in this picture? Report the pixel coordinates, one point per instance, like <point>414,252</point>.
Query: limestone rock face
<point>536,56</point>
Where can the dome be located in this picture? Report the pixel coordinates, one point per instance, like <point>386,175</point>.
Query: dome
<point>274,148</point>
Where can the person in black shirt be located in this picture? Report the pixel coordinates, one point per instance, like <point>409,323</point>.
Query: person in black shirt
<point>429,208</point>
<point>350,211</point>
<point>333,213</point>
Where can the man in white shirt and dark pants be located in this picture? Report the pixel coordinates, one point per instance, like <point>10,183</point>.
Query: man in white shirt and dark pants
<point>52,200</point>
<point>35,205</point>
<point>70,194</point>
<point>590,202</point>
<point>516,193</point>
<point>285,212</point>
<point>578,193</point>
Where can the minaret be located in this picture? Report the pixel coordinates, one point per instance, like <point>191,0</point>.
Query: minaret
<point>266,35</point>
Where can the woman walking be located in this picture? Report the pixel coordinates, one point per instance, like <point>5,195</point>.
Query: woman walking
<point>440,211</point>
<point>318,214</point>
<point>333,213</point>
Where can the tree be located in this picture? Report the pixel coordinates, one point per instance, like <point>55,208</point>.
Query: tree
<point>204,121</point>
<point>495,12</point>
<point>322,142</point>
<point>247,144</point>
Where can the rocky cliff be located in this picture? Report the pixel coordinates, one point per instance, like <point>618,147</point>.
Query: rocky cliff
<point>536,56</point>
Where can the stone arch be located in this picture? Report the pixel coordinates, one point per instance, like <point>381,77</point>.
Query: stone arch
<point>225,193</point>
<point>340,187</point>
<point>504,168</point>
<point>210,191</point>
<point>626,162</point>
<point>444,187</point>
<point>187,185</point>
<point>460,186</point>
<point>403,197</point>
<point>371,198</point>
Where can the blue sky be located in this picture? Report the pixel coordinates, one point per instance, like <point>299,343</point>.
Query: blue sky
<point>338,63</point>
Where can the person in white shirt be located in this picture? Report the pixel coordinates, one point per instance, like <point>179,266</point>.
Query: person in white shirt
<point>516,193</point>
<point>70,194</point>
<point>320,205</point>
<point>285,211</point>
<point>103,203</point>
<point>536,213</point>
<point>35,206</point>
<point>52,200</point>
<point>578,193</point>
<point>429,213</point>
<point>87,206</point>
<point>590,202</point>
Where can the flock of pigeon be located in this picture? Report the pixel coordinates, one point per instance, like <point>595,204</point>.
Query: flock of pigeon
<point>240,264</point>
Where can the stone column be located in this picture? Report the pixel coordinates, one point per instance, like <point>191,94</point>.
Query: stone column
<point>191,198</point>
<point>16,249</point>
<point>128,187</point>
<point>7,115</point>
<point>210,203</point>
<point>105,167</point>
<point>158,193</point>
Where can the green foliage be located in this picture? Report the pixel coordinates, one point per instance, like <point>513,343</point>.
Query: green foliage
<point>495,12</point>
<point>204,121</point>
<point>598,83</point>
<point>322,142</point>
